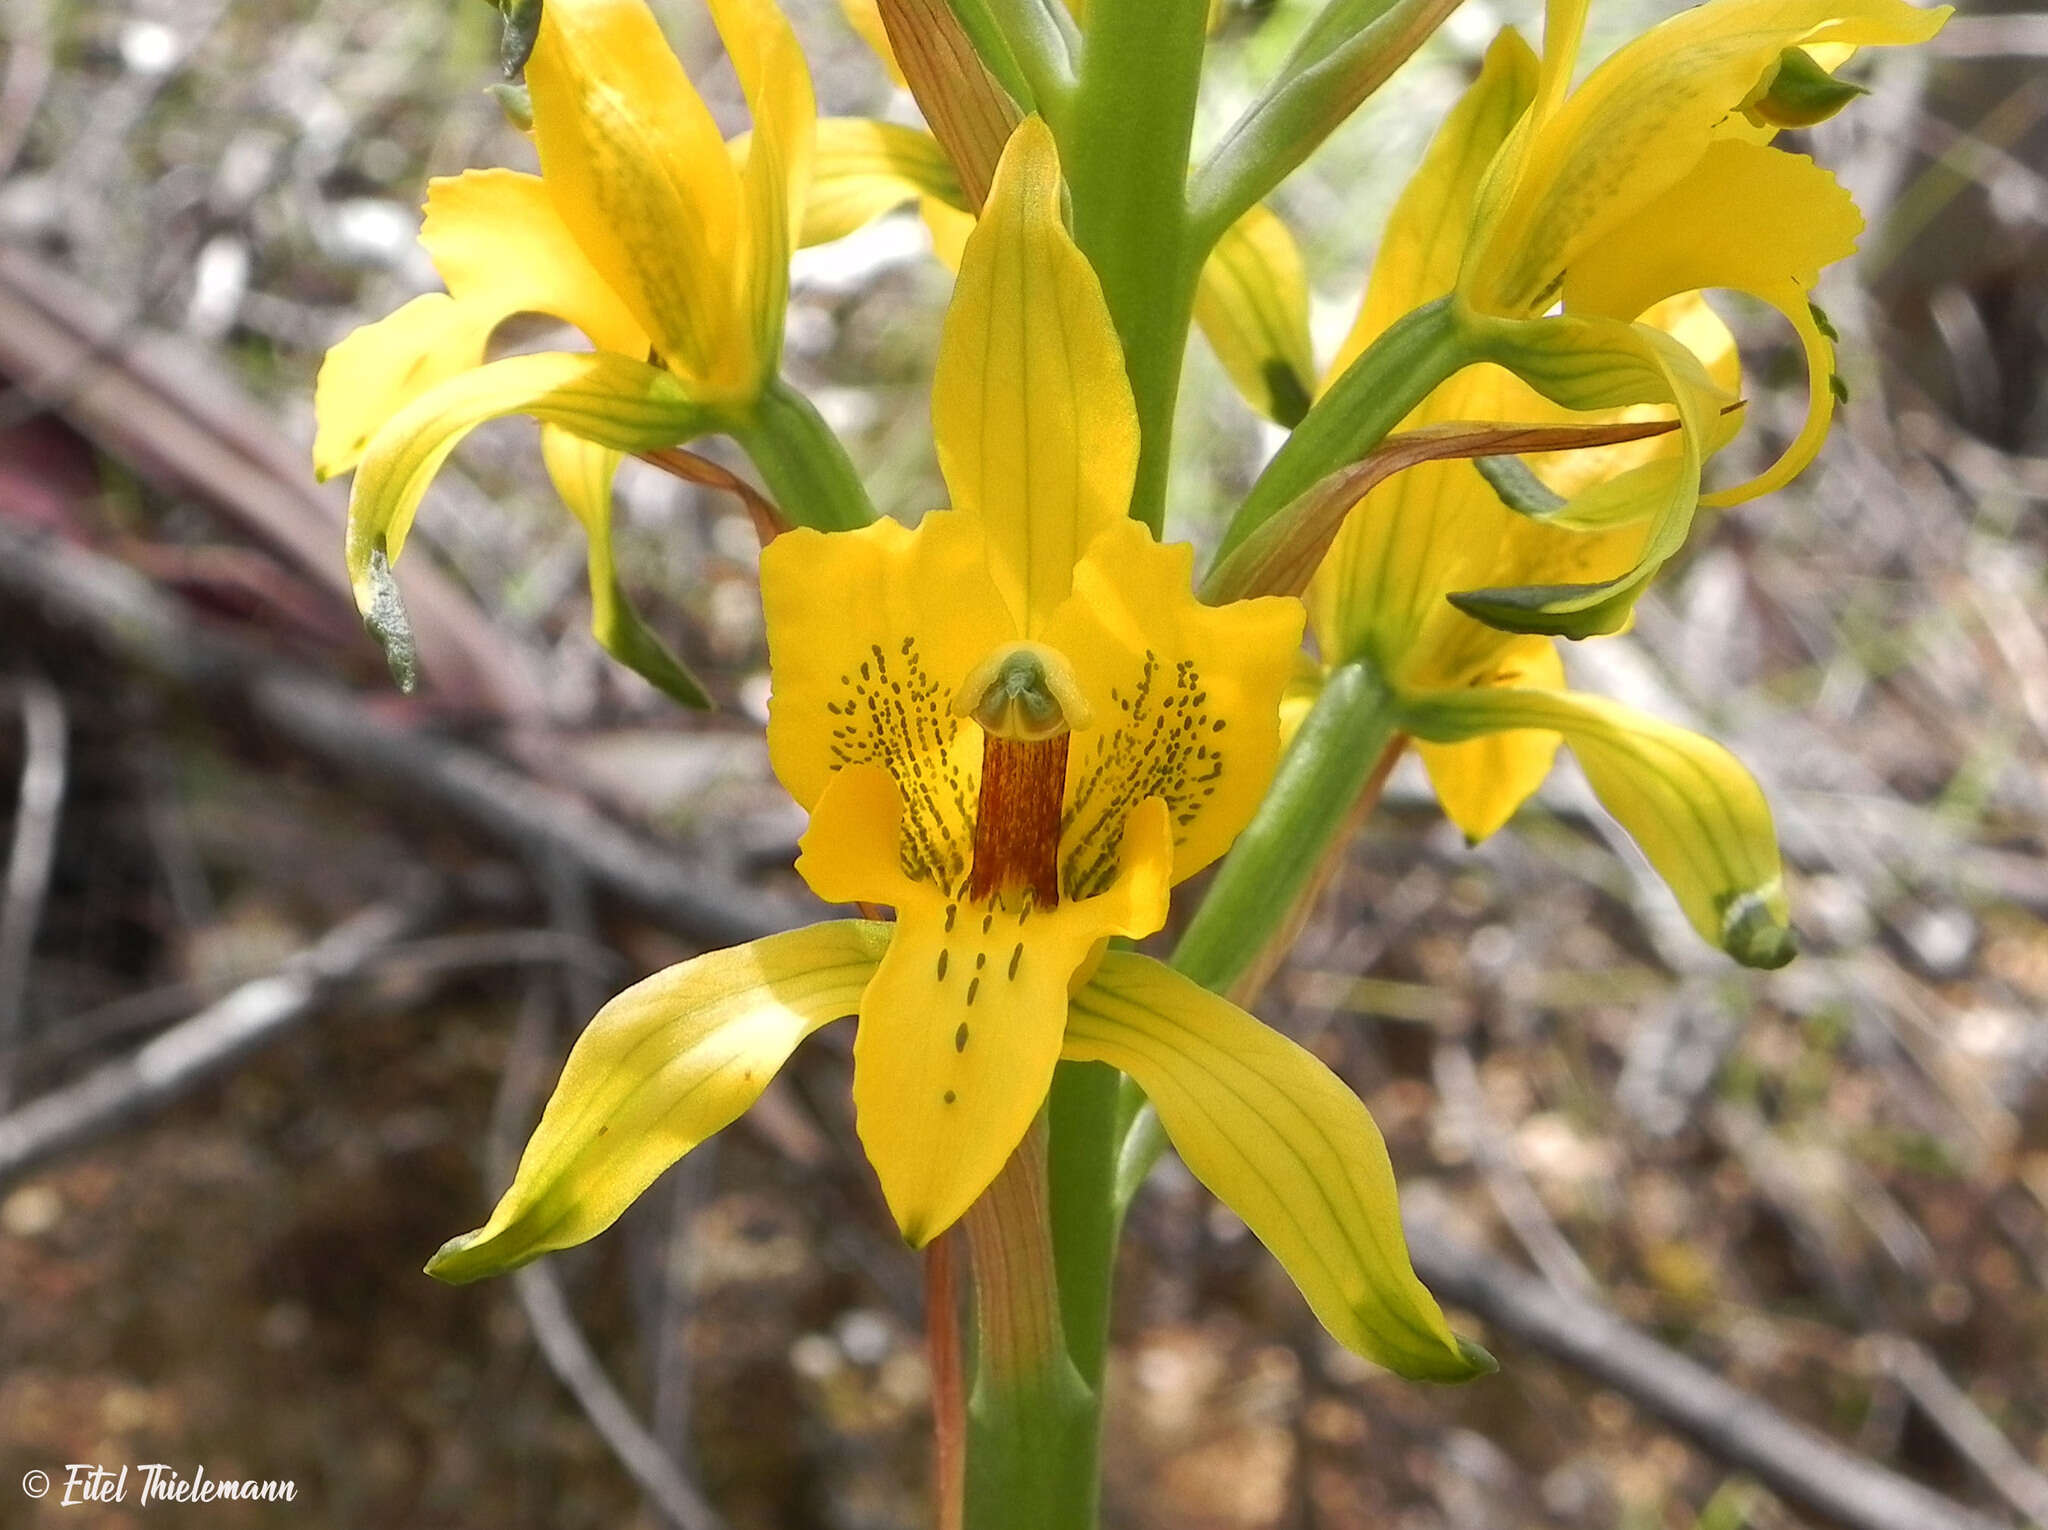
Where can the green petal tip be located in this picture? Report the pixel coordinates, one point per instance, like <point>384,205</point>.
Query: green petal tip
<point>1754,935</point>
<point>384,617</point>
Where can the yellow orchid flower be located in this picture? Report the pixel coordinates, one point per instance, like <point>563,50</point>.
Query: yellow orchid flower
<point>1655,178</point>
<point>668,252</point>
<point>1489,707</point>
<point>1016,726</point>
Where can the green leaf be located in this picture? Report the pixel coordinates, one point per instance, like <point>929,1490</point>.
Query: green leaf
<point>1696,813</point>
<point>668,1062</point>
<point>1282,1142</point>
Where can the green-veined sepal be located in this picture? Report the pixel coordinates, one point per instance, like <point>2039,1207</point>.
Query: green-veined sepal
<point>582,473</point>
<point>1285,1145</point>
<point>1697,814</point>
<point>668,1062</point>
<point>611,400</point>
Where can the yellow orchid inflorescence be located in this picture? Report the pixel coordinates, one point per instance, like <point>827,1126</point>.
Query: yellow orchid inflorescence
<point>1021,770</point>
<point>1019,722</point>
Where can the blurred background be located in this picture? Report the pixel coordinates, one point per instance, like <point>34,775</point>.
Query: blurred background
<point>288,961</point>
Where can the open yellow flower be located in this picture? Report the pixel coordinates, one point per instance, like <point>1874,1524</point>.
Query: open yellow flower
<point>1016,726</point>
<point>1490,707</point>
<point>668,252</point>
<point>1654,178</point>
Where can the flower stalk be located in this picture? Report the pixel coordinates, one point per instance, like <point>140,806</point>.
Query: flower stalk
<point>1030,1417</point>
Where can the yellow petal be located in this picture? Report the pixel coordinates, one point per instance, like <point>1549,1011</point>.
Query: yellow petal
<point>377,369</point>
<point>1641,122</point>
<point>869,634</point>
<point>500,245</point>
<point>949,228</point>
<point>637,170</point>
<point>864,169</point>
<point>1186,698</point>
<point>1482,781</point>
<point>1252,303</point>
<point>1426,233</point>
<point>582,472</point>
<point>661,1067</point>
<point>777,171</point>
<point>1754,219</point>
<point>604,398</point>
<point>1697,814</point>
<point>1280,1140</point>
<point>960,1029</point>
<point>1031,410</point>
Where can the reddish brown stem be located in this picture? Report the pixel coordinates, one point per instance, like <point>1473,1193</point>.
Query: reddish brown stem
<point>949,1383</point>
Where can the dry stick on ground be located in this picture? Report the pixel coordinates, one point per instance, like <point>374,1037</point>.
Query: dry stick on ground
<point>555,1331</point>
<point>125,614</point>
<point>111,605</point>
<point>38,808</point>
<point>1802,1467</point>
<point>171,415</point>
<point>205,1046</point>
<point>1966,1427</point>
<point>1457,1082</point>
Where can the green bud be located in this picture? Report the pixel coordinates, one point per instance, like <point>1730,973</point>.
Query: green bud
<point>516,102</point>
<point>1797,93</point>
<point>384,616</point>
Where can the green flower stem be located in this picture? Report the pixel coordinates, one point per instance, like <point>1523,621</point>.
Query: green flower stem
<point>1125,143</point>
<point>1030,1420</point>
<point>1357,411</point>
<point>801,459</point>
<point>1343,56</point>
<point>1324,772</point>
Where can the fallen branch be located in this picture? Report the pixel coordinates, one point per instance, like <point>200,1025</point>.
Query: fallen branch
<point>178,421</point>
<point>1799,1465</point>
<point>203,1047</point>
<point>126,615</point>
<point>38,809</point>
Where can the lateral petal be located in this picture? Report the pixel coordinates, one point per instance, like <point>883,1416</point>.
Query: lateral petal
<point>1482,781</point>
<point>637,169</point>
<point>1252,303</point>
<point>777,169</point>
<point>501,246</point>
<point>668,1062</point>
<point>377,369</point>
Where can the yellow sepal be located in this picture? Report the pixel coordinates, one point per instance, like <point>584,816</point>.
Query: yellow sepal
<point>668,1062</point>
<point>1279,1140</point>
<point>1031,410</point>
